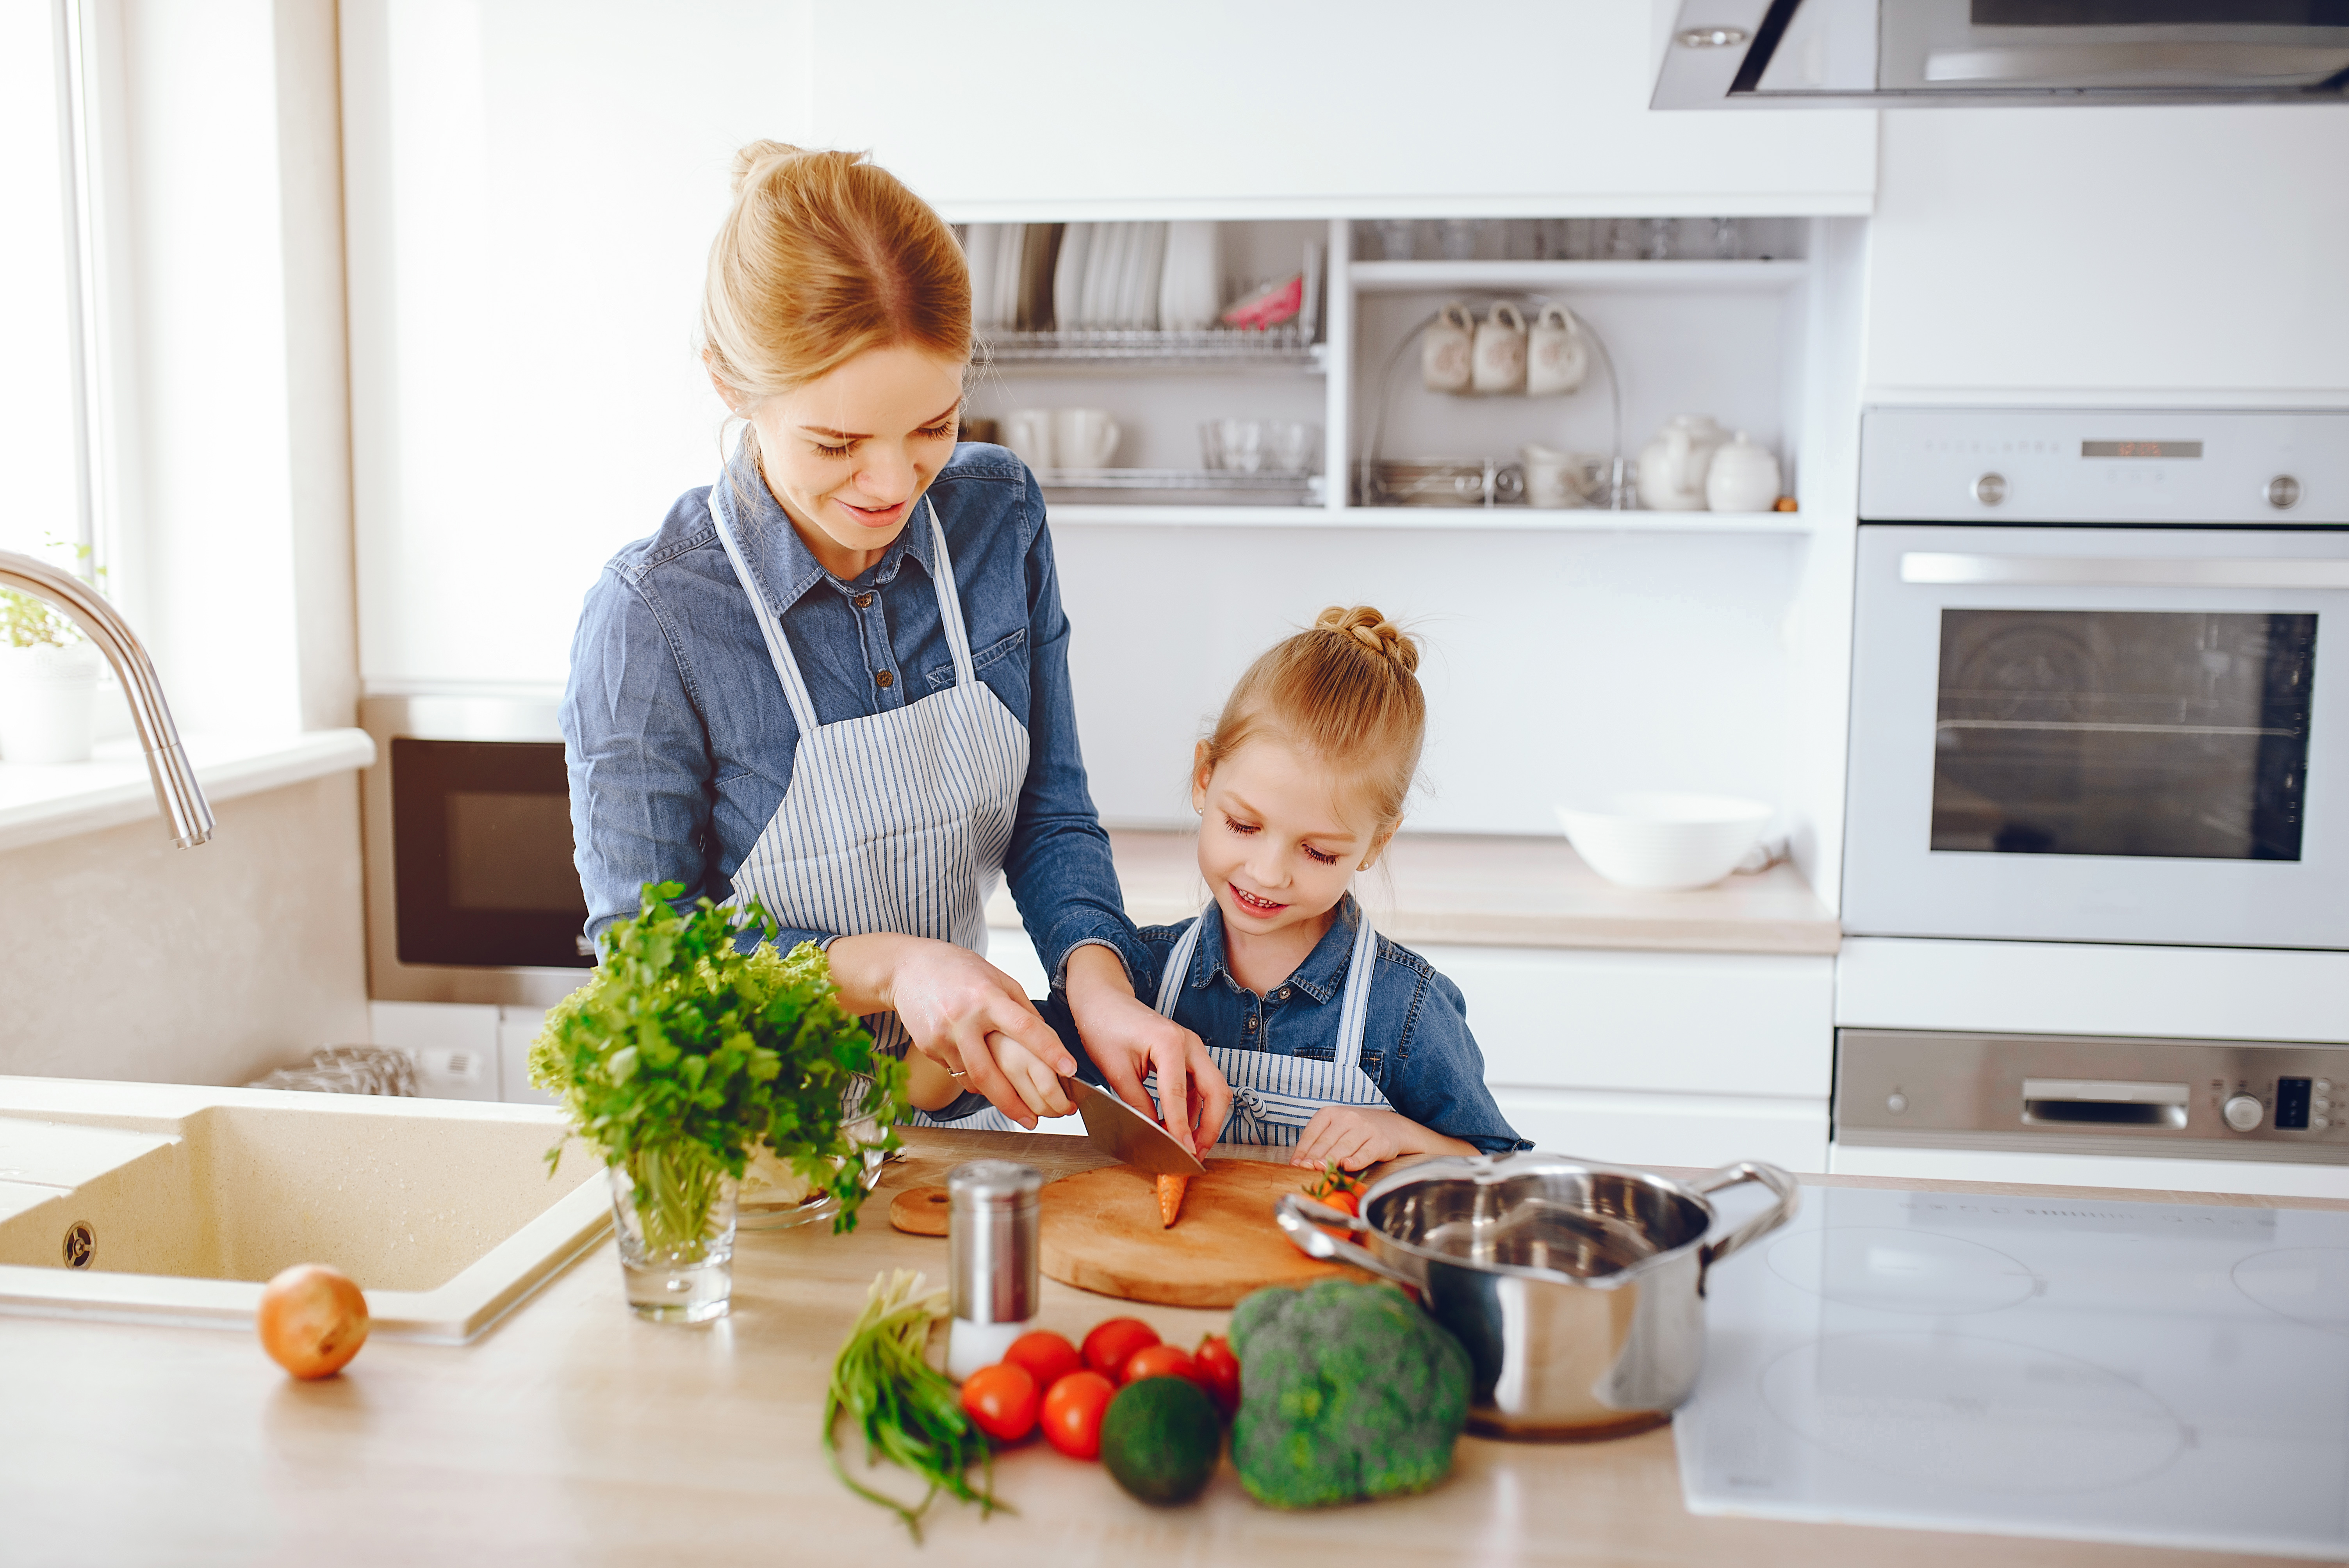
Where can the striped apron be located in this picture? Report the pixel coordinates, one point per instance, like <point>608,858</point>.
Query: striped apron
<point>1274,1096</point>
<point>894,821</point>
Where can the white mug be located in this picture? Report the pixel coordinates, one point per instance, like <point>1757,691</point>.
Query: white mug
<point>1084,438</point>
<point>1500,356</point>
<point>1028,433</point>
<point>1557,357</point>
<point>1556,478</point>
<point>1446,352</point>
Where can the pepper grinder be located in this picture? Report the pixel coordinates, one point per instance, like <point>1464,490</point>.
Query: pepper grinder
<point>992,1248</point>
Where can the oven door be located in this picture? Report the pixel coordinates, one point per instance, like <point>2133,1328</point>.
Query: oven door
<point>472,895</point>
<point>2100,735</point>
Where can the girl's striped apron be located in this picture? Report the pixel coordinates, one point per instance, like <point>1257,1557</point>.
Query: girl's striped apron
<point>894,821</point>
<point>1274,1096</point>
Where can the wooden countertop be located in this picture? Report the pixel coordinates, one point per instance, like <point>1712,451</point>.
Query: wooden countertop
<point>1507,893</point>
<point>575,1433</point>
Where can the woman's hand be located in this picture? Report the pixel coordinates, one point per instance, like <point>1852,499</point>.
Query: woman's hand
<point>1127,1040</point>
<point>1355,1136</point>
<point>953,1003</point>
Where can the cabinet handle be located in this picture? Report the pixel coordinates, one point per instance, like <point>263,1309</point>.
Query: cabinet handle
<point>2138,572</point>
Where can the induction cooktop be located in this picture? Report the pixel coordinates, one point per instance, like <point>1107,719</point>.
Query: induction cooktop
<point>2146,1372</point>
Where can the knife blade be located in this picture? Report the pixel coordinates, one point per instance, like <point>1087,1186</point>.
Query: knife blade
<point>1126,1136</point>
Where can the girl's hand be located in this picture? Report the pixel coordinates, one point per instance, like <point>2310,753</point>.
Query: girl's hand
<point>1128,1039</point>
<point>1039,1085</point>
<point>1355,1136</point>
<point>955,1004</point>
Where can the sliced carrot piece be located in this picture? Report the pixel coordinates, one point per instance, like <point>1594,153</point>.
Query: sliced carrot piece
<point>1170,1198</point>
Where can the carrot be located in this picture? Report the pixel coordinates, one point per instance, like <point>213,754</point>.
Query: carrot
<point>1170,1198</point>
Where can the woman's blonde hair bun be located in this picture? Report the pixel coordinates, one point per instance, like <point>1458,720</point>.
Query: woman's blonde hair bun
<point>1367,626</point>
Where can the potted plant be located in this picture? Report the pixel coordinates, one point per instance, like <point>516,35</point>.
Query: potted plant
<point>681,1058</point>
<point>48,683</point>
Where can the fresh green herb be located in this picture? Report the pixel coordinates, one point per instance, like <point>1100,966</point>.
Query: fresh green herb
<point>683,1054</point>
<point>26,621</point>
<point>911,1413</point>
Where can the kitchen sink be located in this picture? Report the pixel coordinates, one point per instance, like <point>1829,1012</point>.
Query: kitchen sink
<point>175,1203</point>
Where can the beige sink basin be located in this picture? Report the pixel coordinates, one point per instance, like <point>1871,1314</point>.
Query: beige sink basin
<point>160,1202</point>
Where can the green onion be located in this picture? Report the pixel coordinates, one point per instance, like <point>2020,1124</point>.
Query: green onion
<point>911,1415</point>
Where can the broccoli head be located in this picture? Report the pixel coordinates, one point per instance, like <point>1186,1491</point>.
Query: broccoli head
<point>1346,1391</point>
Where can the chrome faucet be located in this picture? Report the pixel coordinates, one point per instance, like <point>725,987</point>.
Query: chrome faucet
<point>176,790</point>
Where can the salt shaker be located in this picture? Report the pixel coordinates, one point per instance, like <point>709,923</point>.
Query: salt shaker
<point>991,1244</point>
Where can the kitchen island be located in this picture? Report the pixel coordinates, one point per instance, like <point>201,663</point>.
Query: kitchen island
<point>575,1433</point>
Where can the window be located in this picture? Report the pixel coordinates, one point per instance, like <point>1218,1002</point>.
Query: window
<point>45,506</point>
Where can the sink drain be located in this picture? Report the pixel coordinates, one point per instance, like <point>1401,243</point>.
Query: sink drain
<point>81,1244</point>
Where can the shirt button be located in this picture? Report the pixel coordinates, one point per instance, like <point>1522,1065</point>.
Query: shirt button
<point>1284,992</point>
<point>1250,1025</point>
<point>886,679</point>
<point>864,601</point>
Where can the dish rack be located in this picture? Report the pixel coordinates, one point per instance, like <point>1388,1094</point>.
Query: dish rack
<point>1209,346</point>
<point>1304,489</point>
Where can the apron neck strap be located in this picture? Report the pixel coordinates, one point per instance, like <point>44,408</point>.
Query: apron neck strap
<point>779,652</point>
<point>1353,1008</point>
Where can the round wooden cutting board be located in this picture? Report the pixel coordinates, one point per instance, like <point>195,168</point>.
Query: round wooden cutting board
<point>1100,1233</point>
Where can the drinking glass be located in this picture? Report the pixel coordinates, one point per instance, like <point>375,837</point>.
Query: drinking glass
<point>673,1209</point>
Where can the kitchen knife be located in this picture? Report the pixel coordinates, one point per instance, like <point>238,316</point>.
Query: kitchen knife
<point>1125,1135</point>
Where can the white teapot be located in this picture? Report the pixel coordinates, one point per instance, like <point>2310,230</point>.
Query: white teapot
<point>1672,467</point>
<point>1742,478</point>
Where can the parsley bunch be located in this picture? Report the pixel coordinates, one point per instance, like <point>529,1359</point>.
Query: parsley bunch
<point>681,1054</point>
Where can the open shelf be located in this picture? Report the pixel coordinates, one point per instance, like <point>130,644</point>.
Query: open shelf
<point>1627,277</point>
<point>1448,519</point>
<point>1213,349</point>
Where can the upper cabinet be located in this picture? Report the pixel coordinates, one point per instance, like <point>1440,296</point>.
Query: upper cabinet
<point>1070,108</point>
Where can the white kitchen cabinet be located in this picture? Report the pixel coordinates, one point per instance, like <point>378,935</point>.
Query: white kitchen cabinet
<point>1059,108</point>
<point>1699,1130</point>
<point>1682,1022</point>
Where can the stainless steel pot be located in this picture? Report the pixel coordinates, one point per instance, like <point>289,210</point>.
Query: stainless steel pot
<point>1576,1289</point>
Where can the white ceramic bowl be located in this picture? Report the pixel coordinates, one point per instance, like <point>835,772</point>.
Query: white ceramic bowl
<point>1665,841</point>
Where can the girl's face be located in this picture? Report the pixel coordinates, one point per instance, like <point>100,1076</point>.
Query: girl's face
<point>1278,837</point>
<point>850,452</point>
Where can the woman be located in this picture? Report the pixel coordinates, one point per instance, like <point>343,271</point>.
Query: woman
<point>836,681</point>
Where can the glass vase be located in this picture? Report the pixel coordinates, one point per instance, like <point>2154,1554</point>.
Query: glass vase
<point>673,1208</point>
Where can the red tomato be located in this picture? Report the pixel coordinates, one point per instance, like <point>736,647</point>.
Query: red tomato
<point>1159,1361</point>
<point>1046,1354</point>
<point>1072,1413</point>
<point>1002,1400</point>
<point>1111,1345</point>
<point>1219,1372</point>
<point>1345,1199</point>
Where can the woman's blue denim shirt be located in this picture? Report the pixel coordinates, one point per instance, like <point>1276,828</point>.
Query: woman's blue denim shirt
<point>1416,1046</point>
<point>679,739</point>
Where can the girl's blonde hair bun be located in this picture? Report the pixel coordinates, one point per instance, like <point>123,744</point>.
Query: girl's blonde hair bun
<point>748,159</point>
<point>1346,691</point>
<point>1367,626</point>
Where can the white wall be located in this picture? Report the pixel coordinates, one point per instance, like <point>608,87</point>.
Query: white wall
<point>2192,254</point>
<point>532,191</point>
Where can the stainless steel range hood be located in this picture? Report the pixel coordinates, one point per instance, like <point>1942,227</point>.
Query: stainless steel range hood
<point>1835,54</point>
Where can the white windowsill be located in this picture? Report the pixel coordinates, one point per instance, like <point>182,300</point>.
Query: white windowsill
<point>40,803</point>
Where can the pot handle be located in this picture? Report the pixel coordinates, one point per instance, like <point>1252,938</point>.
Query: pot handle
<point>1761,1224</point>
<point>1303,1219</point>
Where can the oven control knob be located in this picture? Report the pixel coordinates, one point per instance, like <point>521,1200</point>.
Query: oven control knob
<point>2243,1112</point>
<point>2283,492</point>
<point>1991,488</point>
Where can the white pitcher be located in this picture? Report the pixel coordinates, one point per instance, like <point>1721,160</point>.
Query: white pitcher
<point>1500,358</point>
<point>1446,352</point>
<point>1557,357</point>
<point>1672,467</point>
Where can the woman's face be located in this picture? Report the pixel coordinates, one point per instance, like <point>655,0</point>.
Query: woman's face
<point>850,452</point>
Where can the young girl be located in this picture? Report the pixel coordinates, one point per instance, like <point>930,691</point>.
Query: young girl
<point>1336,1041</point>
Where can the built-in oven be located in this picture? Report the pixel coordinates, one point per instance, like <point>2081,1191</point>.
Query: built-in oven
<point>2096,879</point>
<point>2127,721</point>
<point>471,892</point>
